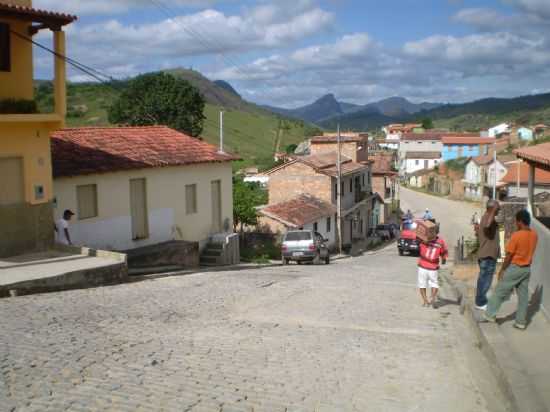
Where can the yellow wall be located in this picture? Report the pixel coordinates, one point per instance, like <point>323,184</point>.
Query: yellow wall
<point>18,83</point>
<point>30,141</point>
<point>165,192</point>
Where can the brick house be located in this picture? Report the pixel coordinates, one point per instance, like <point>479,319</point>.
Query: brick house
<point>315,175</point>
<point>384,181</point>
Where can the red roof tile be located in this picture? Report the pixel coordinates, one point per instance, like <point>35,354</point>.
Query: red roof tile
<point>465,139</point>
<point>84,151</point>
<point>35,15</point>
<point>382,163</point>
<point>343,138</point>
<point>539,154</point>
<point>423,155</point>
<point>542,177</point>
<point>299,211</point>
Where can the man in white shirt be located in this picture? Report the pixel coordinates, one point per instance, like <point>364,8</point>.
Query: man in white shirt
<point>62,228</point>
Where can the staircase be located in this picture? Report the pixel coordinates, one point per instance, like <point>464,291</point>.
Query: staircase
<point>221,250</point>
<point>212,255</point>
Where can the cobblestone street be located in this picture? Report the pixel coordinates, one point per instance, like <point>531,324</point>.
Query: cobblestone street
<point>351,336</point>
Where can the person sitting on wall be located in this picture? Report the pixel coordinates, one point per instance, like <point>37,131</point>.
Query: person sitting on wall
<point>61,228</point>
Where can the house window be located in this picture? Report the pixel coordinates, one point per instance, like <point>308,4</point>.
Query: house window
<point>417,162</point>
<point>86,200</point>
<point>190,199</point>
<point>341,189</point>
<point>335,191</point>
<point>315,227</point>
<point>329,222</point>
<point>5,49</point>
<point>351,185</point>
<point>363,178</point>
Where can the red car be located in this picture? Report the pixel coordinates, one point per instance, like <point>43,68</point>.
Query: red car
<point>407,242</point>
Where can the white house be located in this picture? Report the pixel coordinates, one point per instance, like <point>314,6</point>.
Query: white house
<point>418,142</point>
<point>138,186</point>
<point>499,129</point>
<point>479,176</point>
<point>415,161</point>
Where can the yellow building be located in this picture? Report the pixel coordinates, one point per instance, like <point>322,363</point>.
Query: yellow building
<point>26,189</point>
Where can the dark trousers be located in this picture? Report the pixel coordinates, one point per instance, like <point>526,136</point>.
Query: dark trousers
<point>487,267</point>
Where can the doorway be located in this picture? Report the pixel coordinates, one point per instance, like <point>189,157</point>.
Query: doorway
<point>12,188</point>
<point>138,209</point>
<point>216,186</point>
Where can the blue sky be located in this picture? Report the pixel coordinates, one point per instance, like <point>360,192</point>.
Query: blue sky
<point>290,52</point>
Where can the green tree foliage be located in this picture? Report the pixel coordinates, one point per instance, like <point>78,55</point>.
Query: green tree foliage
<point>291,148</point>
<point>160,98</point>
<point>427,123</point>
<point>246,197</point>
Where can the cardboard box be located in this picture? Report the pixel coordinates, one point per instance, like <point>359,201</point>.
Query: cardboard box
<point>426,231</point>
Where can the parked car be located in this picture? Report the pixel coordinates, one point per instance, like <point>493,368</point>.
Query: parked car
<point>387,231</point>
<point>304,246</point>
<point>407,242</point>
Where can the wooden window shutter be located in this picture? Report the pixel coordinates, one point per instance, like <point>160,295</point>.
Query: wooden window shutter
<point>86,198</point>
<point>190,199</point>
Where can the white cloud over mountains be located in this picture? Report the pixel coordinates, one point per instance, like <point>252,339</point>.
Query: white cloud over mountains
<point>501,51</point>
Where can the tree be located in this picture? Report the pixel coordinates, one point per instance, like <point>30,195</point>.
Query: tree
<point>427,123</point>
<point>291,148</point>
<point>160,99</point>
<point>246,197</point>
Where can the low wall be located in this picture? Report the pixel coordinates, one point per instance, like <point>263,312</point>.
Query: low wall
<point>25,228</point>
<point>540,269</point>
<point>173,253</point>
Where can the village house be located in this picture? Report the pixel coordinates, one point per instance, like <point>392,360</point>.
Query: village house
<point>465,145</point>
<point>384,183</point>
<point>132,187</point>
<point>315,176</point>
<point>415,161</point>
<point>525,134</point>
<point>26,186</point>
<point>517,179</point>
<point>499,130</point>
<point>418,142</point>
<point>479,177</point>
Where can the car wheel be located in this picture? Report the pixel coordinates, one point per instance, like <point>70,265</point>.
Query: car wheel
<point>327,260</point>
<point>401,253</point>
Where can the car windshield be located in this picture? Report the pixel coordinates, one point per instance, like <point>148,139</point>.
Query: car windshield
<point>409,225</point>
<point>295,236</point>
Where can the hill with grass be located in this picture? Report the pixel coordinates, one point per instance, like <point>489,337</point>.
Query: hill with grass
<point>249,130</point>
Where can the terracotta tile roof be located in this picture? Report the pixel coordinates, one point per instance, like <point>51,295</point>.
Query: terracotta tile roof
<point>83,151</point>
<point>539,154</point>
<point>320,161</point>
<point>343,138</point>
<point>382,163</point>
<point>346,169</point>
<point>423,155</point>
<point>483,160</point>
<point>422,136</point>
<point>465,139</point>
<point>35,15</point>
<point>542,177</point>
<point>299,211</point>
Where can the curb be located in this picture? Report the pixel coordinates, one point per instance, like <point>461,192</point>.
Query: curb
<point>512,378</point>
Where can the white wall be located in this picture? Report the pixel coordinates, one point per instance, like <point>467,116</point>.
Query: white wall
<point>411,166</point>
<point>322,229</point>
<point>419,146</point>
<point>166,205</point>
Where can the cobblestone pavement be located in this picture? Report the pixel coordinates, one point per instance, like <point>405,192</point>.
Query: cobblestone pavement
<point>350,336</point>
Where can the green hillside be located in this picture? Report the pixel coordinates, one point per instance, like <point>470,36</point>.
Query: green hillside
<point>250,131</point>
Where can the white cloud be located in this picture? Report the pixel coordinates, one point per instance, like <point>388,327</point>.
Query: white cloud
<point>537,8</point>
<point>106,7</point>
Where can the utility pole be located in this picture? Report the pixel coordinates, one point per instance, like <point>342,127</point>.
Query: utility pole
<point>221,132</point>
<point>495,170</point>
<point>339,194</point>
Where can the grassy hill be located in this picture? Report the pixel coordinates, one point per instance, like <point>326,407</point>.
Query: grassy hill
<point>250,131</point>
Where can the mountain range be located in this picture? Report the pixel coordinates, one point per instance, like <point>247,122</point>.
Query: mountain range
<point>328,108</point>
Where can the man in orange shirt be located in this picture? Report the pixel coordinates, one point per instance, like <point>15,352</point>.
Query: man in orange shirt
<point>515,271</point>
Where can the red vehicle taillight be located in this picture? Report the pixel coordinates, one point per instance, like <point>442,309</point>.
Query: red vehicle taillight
<point>311,247</point>
<point>284,248</point>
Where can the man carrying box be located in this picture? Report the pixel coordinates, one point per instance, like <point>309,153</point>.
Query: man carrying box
<point>432,252</point>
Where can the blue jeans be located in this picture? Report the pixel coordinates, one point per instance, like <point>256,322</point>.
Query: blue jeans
<point>487,267</point>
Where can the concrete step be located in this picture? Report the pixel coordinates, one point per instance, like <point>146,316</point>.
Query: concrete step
<point>211,252</point>
<point>209,260</point>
